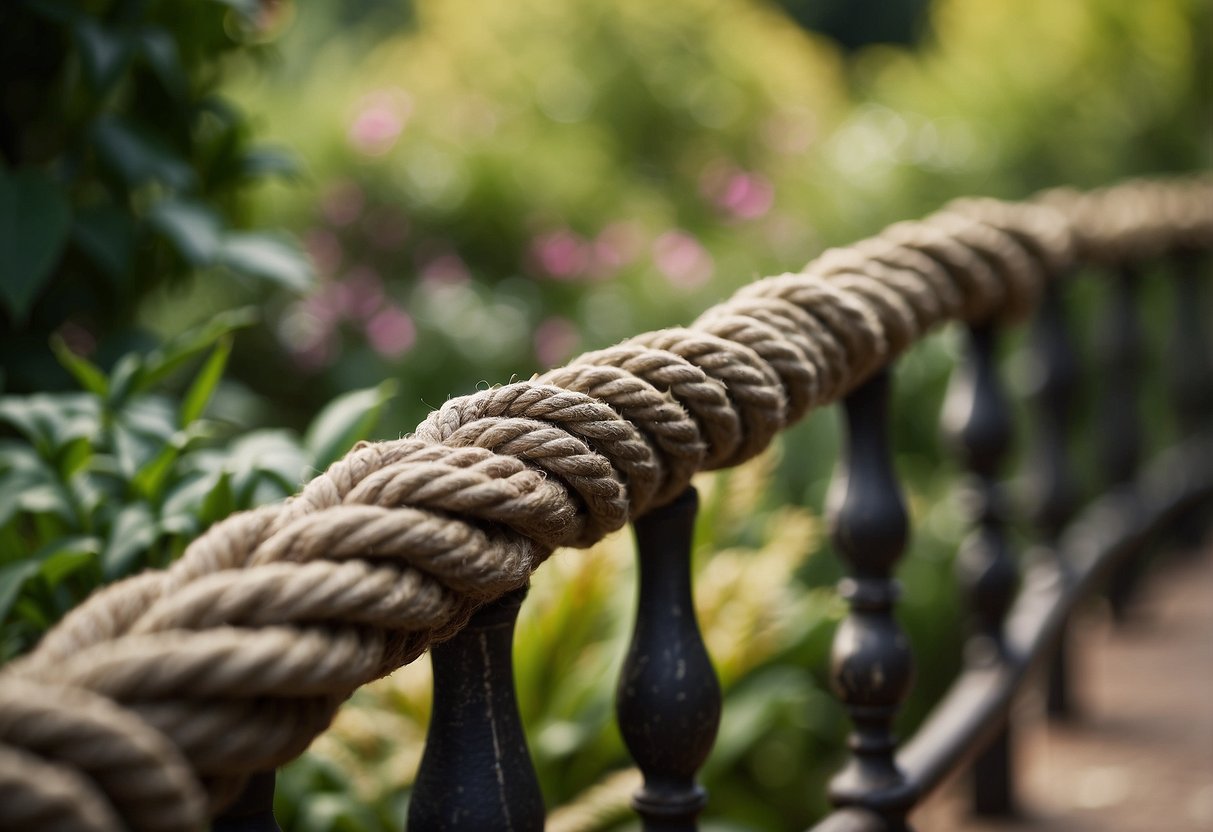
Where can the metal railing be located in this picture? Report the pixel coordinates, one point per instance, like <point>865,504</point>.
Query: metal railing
<point>476,773</point>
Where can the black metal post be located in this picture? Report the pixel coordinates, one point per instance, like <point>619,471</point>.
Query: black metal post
<point>252,810</point>
<point>1053,379</point>
<point>872,665</point>
<point>476,772</point>
<point>1191,376</point>
<point>1120,446</point>
<point>977,421</point>
<point>668,702</point>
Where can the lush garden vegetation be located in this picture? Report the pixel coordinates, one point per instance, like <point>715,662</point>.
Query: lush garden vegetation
<point>235,237</point>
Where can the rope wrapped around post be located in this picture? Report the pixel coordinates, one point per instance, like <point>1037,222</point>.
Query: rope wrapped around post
<point>148,706</point>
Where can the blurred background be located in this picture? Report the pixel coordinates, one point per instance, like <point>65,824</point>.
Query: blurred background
<point>241,234</point>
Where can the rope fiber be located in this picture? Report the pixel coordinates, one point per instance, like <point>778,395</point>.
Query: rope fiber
<point>150,704</point>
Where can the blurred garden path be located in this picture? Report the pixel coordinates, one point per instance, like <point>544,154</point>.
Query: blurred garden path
<point>1140,756</point>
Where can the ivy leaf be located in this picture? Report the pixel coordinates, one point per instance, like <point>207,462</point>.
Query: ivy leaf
<point>34,222</point>
<point>192,228</point>
<point>344,421</point>
<point>268,256</point>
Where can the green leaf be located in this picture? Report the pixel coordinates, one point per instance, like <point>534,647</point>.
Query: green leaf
<point>86,372</point>
<point>269,161</point>
<point>133,533</point>
<point>192,228</point>
<point>12,579</point>
<point>160,51</point>
<point>344,421</point>
<point>104,54</point>
<point>268,256</point>
<point>199,394</point>
<point>68,560</point>
<point>34,222</point>
<point>106,235</point>
<point>165,361</point>
<point>126,379</point>
<point>219,501</point>
<point>138,157</point>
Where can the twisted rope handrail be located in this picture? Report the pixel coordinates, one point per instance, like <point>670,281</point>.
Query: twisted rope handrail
<point>148,705</point>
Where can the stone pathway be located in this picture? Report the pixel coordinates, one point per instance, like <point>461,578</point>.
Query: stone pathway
<point>1139,758</point>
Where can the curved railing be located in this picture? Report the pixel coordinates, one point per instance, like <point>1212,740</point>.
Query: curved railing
<point>152,705</point>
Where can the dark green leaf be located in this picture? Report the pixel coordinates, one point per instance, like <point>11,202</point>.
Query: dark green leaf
<point>104,53</point>
<point>12,579</point>
<point>160,50</point>
<point>86,372</point>
<point>107,236</point>
<point>219,502</point>
<point>344,421</point>
<point>172,356</point>
<point>34,221</point>
<point>137,157</point>
<point>192,228</point>
<point>68,560</point>
<point>126,379</point>
<point>268,256</point>
<point>133,533</point>
<point>199,394</point>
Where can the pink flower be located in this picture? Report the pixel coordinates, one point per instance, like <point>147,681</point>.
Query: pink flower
<point>391,332</point>
<point>742,195</point>
<point>555,339</point>
<point>562,254</point>
<point>379,121</point>
<point>615,246</point>
<point>342,203</point>
<point>682,259</point>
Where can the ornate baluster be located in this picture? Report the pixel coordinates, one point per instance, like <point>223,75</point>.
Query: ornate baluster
<point>1191,376</point>
<point>871,663</point>
<point>977,420</point>
<point>668,702</point>
<point>1120,437</point>
<point>1053,378</point>
<point>476,772</point>
<point>253,810</point>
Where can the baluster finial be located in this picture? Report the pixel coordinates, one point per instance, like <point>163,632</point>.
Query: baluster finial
<point>476,772</point>
<point>668,702</point>
<point>977,421</point>
<point>871,663</point>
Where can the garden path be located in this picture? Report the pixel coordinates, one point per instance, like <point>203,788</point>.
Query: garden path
<point>1139,757</point>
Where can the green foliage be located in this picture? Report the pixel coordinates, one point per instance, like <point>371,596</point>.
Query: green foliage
<point>121,170</point>
<point>98,484</point>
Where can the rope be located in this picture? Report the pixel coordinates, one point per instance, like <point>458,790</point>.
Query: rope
<point>149,705</point>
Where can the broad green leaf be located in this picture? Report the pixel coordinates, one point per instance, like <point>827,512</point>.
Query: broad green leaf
<point>51,420</point>
<point>34,220</point>
<point>160,51</point>
<point>107,236</point>
<point>219,501</point>
<point>68,560</point>
<point>172,356</point>
<point>138,157</point>
<point>73,456</point>
<point>86,372</point>
<point>133,533</point>
<point>192,228</point>
<point>126,379</point>
<point>16,483</point>
<point>269,161</point>
<point>344,421</point>
<point>12,579</point>
<point>150,478</point>
<point>200,392</point>
<point>268,256</point>
<point>104,53</point>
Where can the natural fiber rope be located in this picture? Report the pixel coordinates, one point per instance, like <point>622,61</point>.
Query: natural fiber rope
<point>159,695</point>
